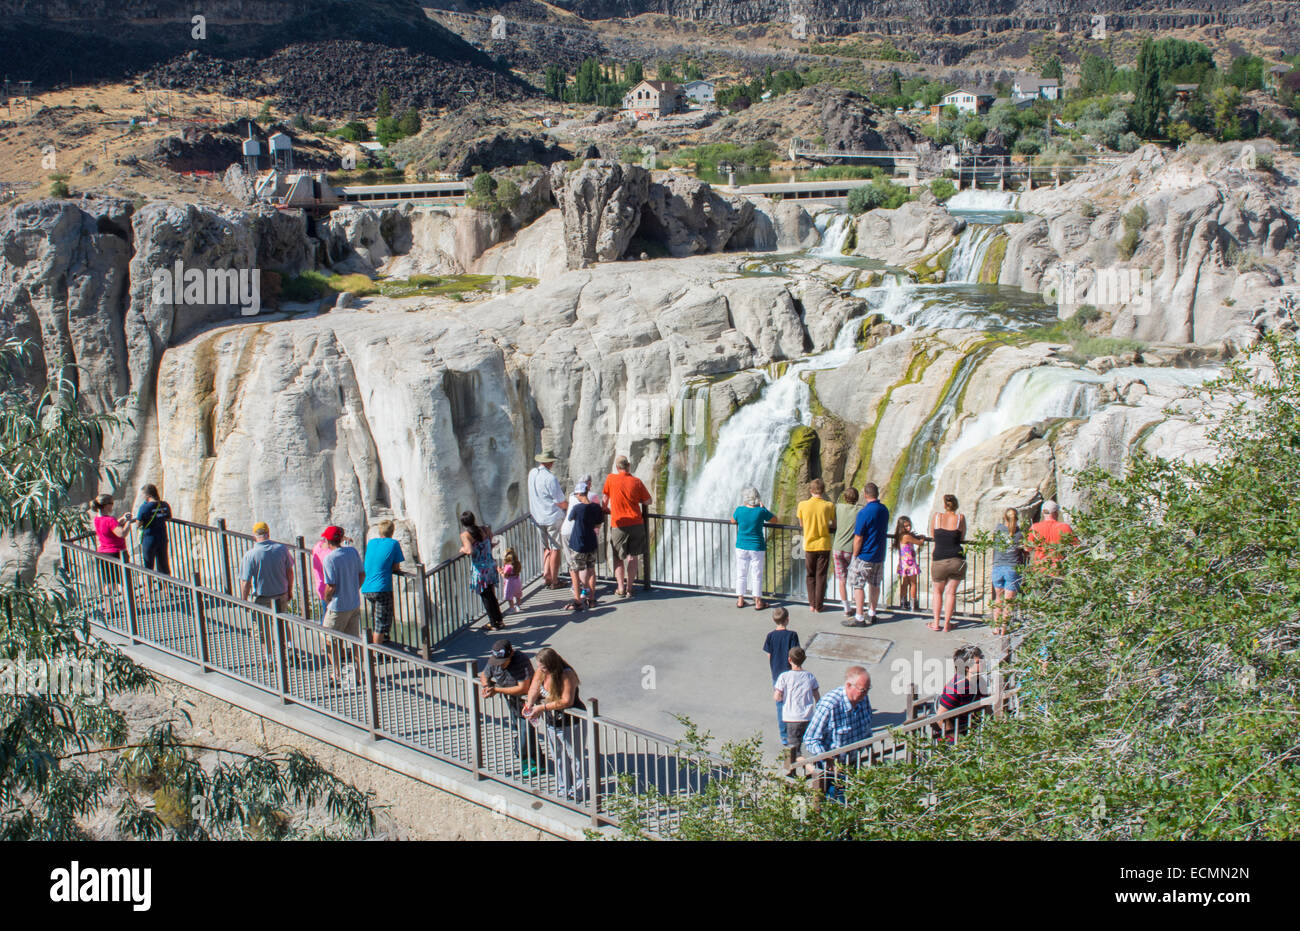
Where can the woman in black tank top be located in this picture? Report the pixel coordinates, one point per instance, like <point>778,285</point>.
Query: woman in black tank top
<point>948,562</point>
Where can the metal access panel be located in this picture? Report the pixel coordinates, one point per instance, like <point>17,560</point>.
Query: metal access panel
<point>848,648</point>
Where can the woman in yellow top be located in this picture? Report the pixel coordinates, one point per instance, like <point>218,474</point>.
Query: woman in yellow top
<point>817,521</point>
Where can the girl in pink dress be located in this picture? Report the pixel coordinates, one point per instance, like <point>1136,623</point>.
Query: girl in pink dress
<point>909,567</point>
<point>512,573</point>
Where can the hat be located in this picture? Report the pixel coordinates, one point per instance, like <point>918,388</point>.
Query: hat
<point>501,651</point>
<point>332,535</point>
<point>581,488</point>
<point>546,455</point>
<point>260,527</point>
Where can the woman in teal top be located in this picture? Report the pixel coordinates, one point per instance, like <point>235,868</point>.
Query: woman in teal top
<point>751,548</point>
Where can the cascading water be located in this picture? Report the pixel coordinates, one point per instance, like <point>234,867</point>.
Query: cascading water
<point>971,199</point>
<point>834,228</point>
<point>969,253</point>
<point>746,453</point>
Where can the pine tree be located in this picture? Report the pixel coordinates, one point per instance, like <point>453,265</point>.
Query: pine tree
<point>385,106</point>
<point>1148,109</point>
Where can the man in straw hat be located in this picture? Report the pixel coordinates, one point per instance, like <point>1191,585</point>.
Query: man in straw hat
<point>547,504</point>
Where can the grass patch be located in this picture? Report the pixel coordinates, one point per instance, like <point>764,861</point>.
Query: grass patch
<point>313,285</point>
<point>1083,345</point>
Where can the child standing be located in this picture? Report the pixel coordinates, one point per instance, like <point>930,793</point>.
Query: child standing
<point>777,646</point>
<point>797,693</point>
<point>909,567</point>
<point>512,573</point>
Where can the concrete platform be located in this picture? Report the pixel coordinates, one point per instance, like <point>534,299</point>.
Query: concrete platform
<point>664,652</point>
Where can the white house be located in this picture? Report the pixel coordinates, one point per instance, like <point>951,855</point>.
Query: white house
<point>969,100</point>
<point>1030,87</point>
<point>699,92</point>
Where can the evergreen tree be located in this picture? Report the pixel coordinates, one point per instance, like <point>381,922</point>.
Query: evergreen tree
<point>385,106</point>
<point>410,124</point>
<point>635,73</point>
<point>1147,110</point>
<point>1053,69</point>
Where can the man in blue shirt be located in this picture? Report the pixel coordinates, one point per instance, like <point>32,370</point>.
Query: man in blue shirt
<point>266,577</point>
<point>383,561</point>
<point>867,569</point>
<point>841,718</point>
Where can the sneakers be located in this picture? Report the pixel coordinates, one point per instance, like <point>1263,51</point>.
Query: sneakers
<point>871,617</point>
<point>855,621</point>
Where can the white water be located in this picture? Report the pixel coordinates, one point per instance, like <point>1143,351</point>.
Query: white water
<point>1040,393</point>
<point>970,199</point>
<point>749,445</point>
<point>834,228</point>
<point>968,256</point>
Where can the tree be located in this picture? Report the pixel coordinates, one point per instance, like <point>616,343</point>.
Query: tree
<point>1156,673</point>
<point>63,750</point>
<point>555,78</point>
<point>1225,102</point>
<point>385,106</point>
<point>1148,105</point>
<point>1096,75</point>
<point>692,72</point>
<point>410,124</point>
<point>665,71</point>
<point>1053,69</point>
<point>635,74</point>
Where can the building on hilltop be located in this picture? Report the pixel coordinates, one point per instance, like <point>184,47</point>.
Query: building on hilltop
<point>970,100</point>
<point>653,99</point>
<point>1032,87</point>
<point>700,93</point>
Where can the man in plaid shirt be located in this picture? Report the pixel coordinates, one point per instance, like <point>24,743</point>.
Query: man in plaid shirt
<point>842,717</point>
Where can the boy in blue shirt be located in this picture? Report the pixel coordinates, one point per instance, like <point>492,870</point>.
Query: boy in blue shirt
<point>777,647</point>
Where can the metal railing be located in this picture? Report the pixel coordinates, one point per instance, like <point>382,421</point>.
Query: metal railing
<point>699,554</point>
<point>390,693</point>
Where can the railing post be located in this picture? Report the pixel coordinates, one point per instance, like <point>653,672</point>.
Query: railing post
<point>910,714</point>
<point>227,586</point>
<point>303,576</point>
<point>645,557</point>
<point>593,761</point>
<point>475,707</point>
<point>998,696</point>
<point>282,667</point>
<point>200,631</point>
<point>372,687</point>
<point>422,611</point>
<point>128,595</point>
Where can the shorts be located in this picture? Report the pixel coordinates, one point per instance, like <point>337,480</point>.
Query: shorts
<point>794,731</point>
<point>1007,578</point>
<point>580,562</point>
<point>841,558</point>
<point>947,570</point>
<point>278,602</point>
<point>863,573</point>
<point>627,541</point>
<point>381,611</point>
<point>110,567</point>
<point>551,535</point>
<point>345,622</point>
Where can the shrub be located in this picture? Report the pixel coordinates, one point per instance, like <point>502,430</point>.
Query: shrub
<point>59,186</point>
<point>1087,313</point>
<point>1087,210</point>
<point>1136,218</point>
<point>1128,244</point>
<point>942,189</point>
<point>1264,161</point>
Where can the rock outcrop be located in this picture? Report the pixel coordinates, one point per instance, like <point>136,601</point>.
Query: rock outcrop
<point>601,203</point>
<point>904,236</point>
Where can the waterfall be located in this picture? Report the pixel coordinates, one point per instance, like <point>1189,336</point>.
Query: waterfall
<point>688,443</point>
<point>968,256</point>
<point>971,199</point>
<point>834,228</point>
<point>916,485</point>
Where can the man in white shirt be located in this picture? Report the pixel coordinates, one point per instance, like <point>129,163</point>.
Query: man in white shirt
<point>547,504</point>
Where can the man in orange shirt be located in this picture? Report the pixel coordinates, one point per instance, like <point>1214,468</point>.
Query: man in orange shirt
<point>1046,535</point>
<point>624,494</point>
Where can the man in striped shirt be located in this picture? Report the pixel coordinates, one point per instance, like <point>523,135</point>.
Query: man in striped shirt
<point>841,718</point>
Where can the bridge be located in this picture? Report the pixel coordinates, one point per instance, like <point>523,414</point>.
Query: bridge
<point>813,192</point>
<point>414,705</point>
<point>998,171</point>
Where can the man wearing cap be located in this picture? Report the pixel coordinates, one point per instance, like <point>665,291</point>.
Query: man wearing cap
<point>343,573</point>
<point>509,673</point>
<point>266,574</point>
<point>547,504</point>
<point>625,494</point>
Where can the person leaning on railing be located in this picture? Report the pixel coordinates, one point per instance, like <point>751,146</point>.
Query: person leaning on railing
<point>841,718</point>
<point>110,542</point>
<point>266,576</point>
<point>556,685</point>
<point>965,688</point>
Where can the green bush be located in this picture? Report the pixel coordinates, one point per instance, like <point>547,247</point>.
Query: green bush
<point>883,194</point>
<point>942,189</point>
<point>59,186</point>
<point>1128,244</point>
<point>1087,314</point>
<point>1264,161</point>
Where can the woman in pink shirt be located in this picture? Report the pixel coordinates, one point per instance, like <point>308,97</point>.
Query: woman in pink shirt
<point>110,542</point>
